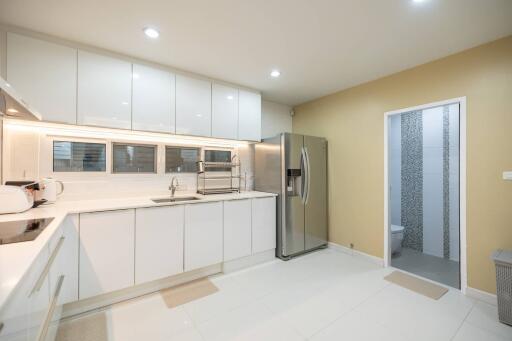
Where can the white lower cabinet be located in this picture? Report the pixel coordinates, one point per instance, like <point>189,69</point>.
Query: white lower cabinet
<point>263,224</point>
<point>203,235</point>
<point>107,249</point>
<point>158,242</point>
<point>237,229</point>
<point>24,313</point>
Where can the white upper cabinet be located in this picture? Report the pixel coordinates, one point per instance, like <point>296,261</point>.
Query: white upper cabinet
<point>224,111</point>
<point>104,91</point>
<point>45,74</point>
<point>249,116</point>
<point>153,103</point>
<point>193,106</point>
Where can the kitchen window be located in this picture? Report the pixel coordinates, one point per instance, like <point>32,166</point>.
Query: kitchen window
<point>71,156</point>
<point>181,160</point>
<point>133,158</point>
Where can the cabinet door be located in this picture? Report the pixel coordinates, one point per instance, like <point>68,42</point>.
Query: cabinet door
<point>153,100</point>
<point>237,229</point>
<point>104,91</point>
<point>203,235</point>
<point>249,116</point>
<point>66,262</point>
<point>158,243</point>
<point>45,74</point>
<point>193,106</point>
<point>224,111</point>
<point>106,252</point>
<point>39,294</point>
<point>263,224</point>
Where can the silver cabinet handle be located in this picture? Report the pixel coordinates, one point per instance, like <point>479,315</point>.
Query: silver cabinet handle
<point>51,309</point>
<point>47,267</point>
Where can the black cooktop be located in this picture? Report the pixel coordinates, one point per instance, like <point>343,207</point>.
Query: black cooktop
<point>22,230</point>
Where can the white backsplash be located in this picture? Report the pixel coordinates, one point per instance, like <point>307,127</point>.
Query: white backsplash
<point>28,156</point>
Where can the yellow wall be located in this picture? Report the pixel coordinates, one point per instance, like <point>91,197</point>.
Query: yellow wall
<point>353,122</point>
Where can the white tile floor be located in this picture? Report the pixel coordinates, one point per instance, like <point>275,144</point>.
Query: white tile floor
<point>326,295</point>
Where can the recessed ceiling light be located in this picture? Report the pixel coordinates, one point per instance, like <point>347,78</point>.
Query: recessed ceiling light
<point>275,73</point>
<point>135,75</point>
<point>12,110</point>
<point>151,32</point>
<point>8,85</point>
<point>229,97</point>
<point>419,1</point>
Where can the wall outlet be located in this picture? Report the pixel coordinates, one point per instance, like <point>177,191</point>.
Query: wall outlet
<point>507,175</point>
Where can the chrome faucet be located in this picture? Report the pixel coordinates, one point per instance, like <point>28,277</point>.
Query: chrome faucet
<point>172,186</point>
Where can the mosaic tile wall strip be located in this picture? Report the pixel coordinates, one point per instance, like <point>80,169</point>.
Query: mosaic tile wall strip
<point>412,179</point>
<point>446,182</point>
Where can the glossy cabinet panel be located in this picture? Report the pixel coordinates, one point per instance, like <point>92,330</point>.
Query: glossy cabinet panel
<point>237,229</point>
<point>193,106</point>
<point>249,116</point>
<point>45,75</point>
<point>224,111</point>
<point>158,243</point>
<point>107,251</point>
<point>104,91</point>
<point>263,224</point>
<point>153,100</point>
<point>66,262</point>
<point>203,235</point>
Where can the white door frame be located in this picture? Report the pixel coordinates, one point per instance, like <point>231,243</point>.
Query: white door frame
<point>462,181</point>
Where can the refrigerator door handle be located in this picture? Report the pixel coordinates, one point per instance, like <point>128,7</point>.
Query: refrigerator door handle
<point>303,175</point>
<point>308,176</point>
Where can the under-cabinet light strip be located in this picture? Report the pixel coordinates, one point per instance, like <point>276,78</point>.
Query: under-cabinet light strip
<point>117,134</point>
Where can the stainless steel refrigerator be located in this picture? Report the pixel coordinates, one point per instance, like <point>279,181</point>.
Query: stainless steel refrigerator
<point>295,167</point>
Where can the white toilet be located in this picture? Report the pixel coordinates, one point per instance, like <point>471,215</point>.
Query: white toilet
<point>397,235</point>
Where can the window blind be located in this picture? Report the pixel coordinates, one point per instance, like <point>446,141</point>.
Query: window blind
<point>71,156</point>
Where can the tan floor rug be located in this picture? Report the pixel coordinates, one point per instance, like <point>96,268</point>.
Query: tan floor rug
<point>188,292</point>
<point>88,328</point>
<point>417,285</point>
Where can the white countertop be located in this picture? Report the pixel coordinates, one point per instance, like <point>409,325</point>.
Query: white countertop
<point>17,258</point>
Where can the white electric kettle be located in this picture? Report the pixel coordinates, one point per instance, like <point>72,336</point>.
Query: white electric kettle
<point>48,189</point>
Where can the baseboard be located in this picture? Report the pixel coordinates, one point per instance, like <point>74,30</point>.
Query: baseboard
<point>482,296</point>
<point>249,261</point>
<point>100,302</point>
<point>356,253</point>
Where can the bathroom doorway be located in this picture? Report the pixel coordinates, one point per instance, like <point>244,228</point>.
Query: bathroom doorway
<point>425,191</point>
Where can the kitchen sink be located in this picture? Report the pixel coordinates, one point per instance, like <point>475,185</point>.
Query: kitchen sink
<point>173,199</point>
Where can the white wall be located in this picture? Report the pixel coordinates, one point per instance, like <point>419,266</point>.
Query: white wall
<point>433,181</point>
<point>275,119</point>
<point>454,181</point>
<point>395,168</point>
<point>28,156</point>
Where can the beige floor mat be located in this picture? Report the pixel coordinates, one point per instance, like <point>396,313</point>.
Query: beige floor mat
<point>188,292</point>
<point>88,328</point>
<point>416,284</point>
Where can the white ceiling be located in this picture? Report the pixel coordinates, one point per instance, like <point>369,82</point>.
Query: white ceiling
<point>320,46</point>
